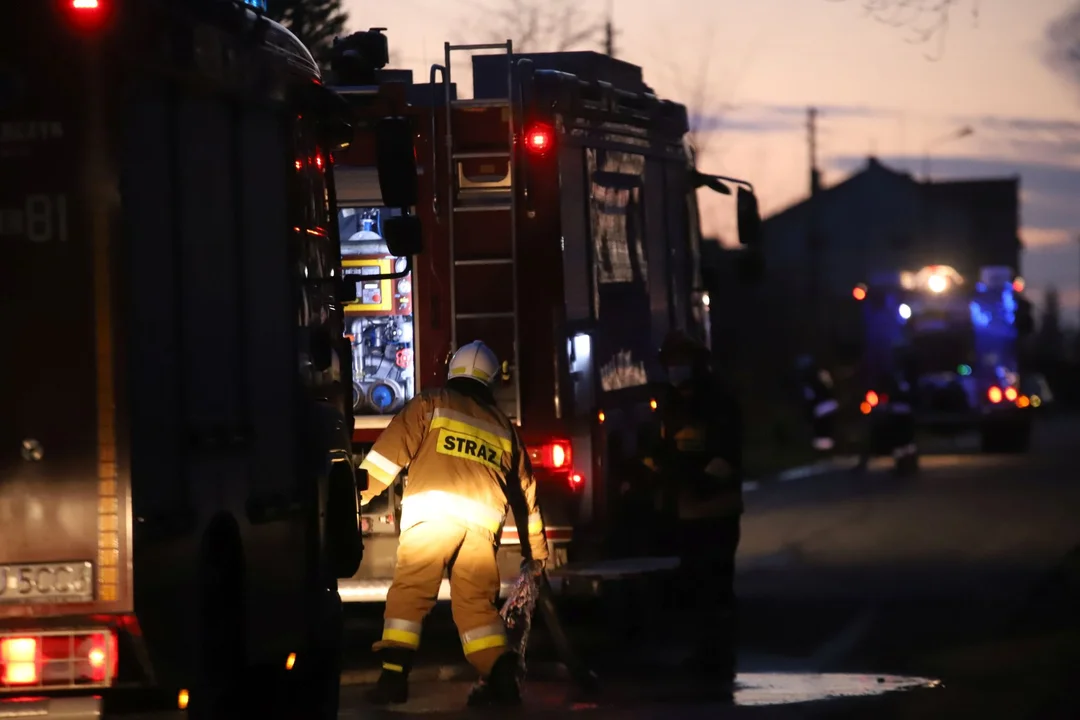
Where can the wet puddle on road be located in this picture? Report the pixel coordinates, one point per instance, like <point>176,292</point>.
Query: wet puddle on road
<point>788,688</point>
<point>626,697</point>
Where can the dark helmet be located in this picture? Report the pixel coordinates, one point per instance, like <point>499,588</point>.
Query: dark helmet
<point>680,348</point>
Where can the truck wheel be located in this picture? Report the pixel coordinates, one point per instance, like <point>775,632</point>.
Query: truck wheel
<point>879,441</point>
<point>313,686</point>
<point>1018,437</point>
<point>990,438</point>
<point>220,676</point>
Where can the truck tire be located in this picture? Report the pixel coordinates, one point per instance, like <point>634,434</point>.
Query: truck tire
<point>313,687</point>
<point>1011,436</point>
<point>218,690</point>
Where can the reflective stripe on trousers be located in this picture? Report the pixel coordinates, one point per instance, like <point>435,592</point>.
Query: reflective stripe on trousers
<point>483,638</point>
<point>826,407</point>
<point>905,450</point>
<point>405,633</point>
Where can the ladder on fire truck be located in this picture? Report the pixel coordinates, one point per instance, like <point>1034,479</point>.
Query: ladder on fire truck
<point>486,197</point>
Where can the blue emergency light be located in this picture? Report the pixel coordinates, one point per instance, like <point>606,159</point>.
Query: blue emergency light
<point>259,5</point>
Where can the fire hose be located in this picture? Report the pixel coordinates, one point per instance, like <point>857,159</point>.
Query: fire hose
<point>528,592</point>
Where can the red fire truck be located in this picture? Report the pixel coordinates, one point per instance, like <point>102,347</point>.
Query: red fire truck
<point>561,228</point>
<point>177,495</point>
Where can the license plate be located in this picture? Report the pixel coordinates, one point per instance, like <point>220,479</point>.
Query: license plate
<point>47,582</point>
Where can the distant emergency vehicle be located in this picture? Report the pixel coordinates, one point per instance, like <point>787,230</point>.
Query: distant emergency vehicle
<point>955,342</point>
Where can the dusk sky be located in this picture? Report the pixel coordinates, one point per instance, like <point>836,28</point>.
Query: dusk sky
<point>762,63</point>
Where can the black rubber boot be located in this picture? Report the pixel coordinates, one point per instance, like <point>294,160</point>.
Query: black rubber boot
<point>501,686</point>
<point>392,687</point>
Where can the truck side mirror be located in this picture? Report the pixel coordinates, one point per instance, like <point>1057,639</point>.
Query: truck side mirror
<point>403,235</point>
<point>396,161</point>
<point>749,218</point>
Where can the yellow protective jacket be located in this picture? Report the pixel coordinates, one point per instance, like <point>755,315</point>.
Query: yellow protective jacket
<point>466,464</point>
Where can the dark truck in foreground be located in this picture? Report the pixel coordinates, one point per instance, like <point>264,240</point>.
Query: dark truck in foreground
<point>177,492</point>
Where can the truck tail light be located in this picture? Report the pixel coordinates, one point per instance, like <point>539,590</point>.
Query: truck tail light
<point>576,480</point>
<point>994,394</point>
<point>1011,394</point>
<point>539,139</point>
<point>59,659</point>
<point>101,655</point>
<point>554,455</point>
<point>19,656</point>
<point>872,399</point>
<point>85,15</point>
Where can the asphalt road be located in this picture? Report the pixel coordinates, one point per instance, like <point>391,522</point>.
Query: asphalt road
<point>965,578</point>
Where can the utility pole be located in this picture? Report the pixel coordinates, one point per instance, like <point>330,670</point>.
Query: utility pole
<point>814,239</point>
<point>609,30</point>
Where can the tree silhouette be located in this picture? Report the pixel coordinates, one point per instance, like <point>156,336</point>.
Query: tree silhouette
<point>315,22</point>
<point>925,20</point>
<point>1063,44</point>
<point>538,26</point>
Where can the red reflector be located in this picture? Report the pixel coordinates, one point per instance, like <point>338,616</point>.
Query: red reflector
<point>19,657</point>
<point>576,480</point>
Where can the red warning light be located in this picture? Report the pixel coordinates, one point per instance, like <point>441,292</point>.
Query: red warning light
<point>538,140</point>
<point>86,15</point>
<point>859,293</point>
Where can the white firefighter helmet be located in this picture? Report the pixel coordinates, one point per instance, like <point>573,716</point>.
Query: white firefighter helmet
<point>474,360</point>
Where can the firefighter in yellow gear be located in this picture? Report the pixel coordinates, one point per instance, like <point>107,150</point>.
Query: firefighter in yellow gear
<point>466,467</point>
<point>697,460</point>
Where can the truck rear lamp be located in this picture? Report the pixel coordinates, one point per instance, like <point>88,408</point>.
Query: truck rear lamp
<point>872,399</point>
<point>60,659</point>
<point>539,139</point>
<point>85,15</point>
<point>19,656</point>
<point>554,455</point>
<point>1011,394</point>
<point>994,394</point>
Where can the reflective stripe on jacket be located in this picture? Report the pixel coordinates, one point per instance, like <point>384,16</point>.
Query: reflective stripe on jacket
<point>464,458</point>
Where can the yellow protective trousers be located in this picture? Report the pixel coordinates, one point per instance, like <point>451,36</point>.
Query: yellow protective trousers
<point>425,552</point>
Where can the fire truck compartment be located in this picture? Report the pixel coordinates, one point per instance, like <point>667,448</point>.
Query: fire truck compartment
<point>380,323</point>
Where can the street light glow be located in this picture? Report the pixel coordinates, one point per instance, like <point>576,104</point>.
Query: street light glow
<point>937,283</point>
